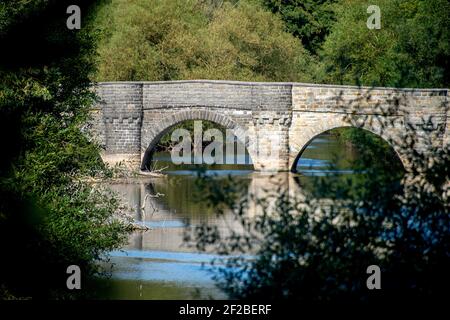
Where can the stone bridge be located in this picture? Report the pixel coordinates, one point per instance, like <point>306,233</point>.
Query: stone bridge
<point>131,117</point>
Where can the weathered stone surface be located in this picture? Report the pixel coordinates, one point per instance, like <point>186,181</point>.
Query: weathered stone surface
<point>132,116</point>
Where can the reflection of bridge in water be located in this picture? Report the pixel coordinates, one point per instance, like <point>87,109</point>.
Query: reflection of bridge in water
<point>168,216</point>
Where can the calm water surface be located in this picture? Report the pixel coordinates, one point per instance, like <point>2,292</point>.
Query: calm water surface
<point>157,264</point>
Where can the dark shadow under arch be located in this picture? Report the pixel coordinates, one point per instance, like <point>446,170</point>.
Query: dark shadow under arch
<point>299,154</point>
<point>169,122</point>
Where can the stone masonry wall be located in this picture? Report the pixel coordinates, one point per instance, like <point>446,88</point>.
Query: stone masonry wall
<point>386,112</point>
<point>132,116</point>
<point>122,117</point>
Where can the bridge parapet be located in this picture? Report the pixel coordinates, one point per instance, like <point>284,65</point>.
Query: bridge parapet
<point>216,94</point>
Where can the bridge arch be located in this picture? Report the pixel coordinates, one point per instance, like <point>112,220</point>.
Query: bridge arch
<point>167,123</point>
<point>301,144</point>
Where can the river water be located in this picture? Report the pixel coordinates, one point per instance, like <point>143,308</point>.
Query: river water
<point>158,264</point>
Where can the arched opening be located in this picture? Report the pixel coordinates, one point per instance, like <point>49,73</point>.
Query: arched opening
<point>342,146</point>
<point>355,155</point>
<point>188,145</point>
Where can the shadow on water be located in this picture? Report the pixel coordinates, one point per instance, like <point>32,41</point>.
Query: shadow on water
<point>157,264</point>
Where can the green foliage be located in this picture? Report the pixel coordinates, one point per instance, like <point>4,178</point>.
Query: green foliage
<point>239,40</point>
<point>373,151</point>
<point>45,72</point>
<point>377,167</point>
<point>47,218</point>
<point>309,20</point>
<point>410,50</point>
<point>315,249</point>
<point>169,40</point>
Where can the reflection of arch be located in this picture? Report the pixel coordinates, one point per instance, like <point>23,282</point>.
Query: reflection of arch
<point>169,122</point>
<point>312,134</point>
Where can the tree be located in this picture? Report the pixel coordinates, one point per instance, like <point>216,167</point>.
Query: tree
<point>309,20</point>
<point>410,50</point>
<point>170,40</point>
<point>49,219</point>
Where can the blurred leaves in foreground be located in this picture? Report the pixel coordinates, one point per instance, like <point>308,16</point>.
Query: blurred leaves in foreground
<point>317,246</point>
<point>48,218</point>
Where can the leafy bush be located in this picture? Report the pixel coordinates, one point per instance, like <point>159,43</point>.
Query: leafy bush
<point>48,220</point>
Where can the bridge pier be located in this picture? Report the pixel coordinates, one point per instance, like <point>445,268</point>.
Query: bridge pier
<point>271,142</point>
<point>118,122</point>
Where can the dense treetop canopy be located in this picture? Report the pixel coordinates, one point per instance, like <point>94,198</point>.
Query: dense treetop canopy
<point>169,40</point>
<point>411,49</point>
<point>324,41</point>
